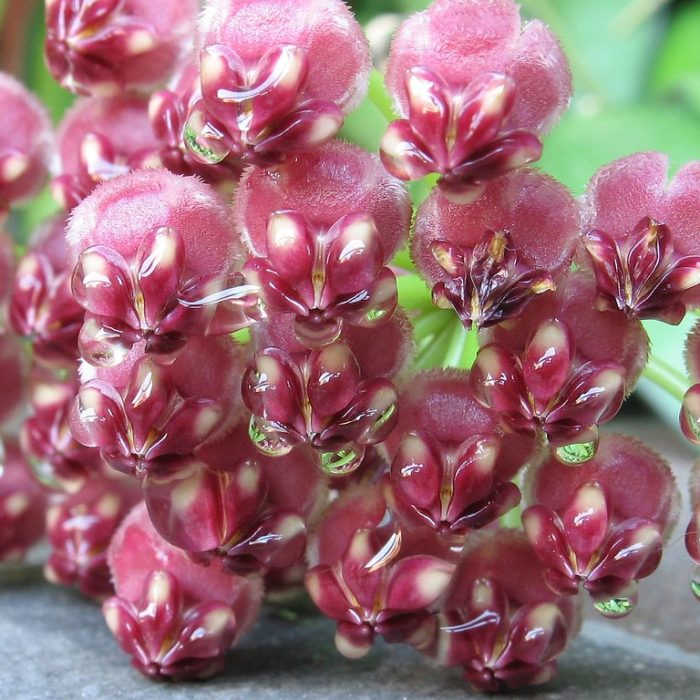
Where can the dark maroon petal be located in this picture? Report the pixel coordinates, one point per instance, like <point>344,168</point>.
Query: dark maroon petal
<point>290,246</point>
<point>158,268</point>
<point>355,255</point>
<point>547,360</point>
<point>429,111</point>
<point>417,582</point>
<point>402,156</point>
<point>333,379</point>
<point>98,418</point>
<point>586,521</point>
<point>544,529</point>
<point>102,284</point>
<point>271,388</point>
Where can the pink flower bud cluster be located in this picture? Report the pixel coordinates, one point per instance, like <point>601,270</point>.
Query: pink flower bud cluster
<point>220,396</point>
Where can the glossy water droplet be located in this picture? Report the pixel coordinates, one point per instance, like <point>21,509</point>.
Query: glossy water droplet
<point>618,606</point>
<point>267,438</point>
<point>202,143</point>
<point>342,461</point>
<point>692,423</point>
<point>377,314</point>
<point>384,417</point>
<point>576,453</point>
<point>695,583</point>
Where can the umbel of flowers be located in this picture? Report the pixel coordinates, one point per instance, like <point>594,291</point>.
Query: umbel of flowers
<point>222,396</point>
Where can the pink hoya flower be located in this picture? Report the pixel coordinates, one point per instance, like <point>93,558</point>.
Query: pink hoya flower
<point>597,336</point>
<point>25,139</point>
<point>322,232</point>
<point>80,527</point>
<point>42,306</point>
<point>487,259</point>
<point>602,524</point>
<point>545,389</point>
<point>59,460</point>
<point>231,503</point>
<point>102,47</point>
<point>277,77</point>
<point>370,577</point>
<point>452,476</point>
<point>146,417</point>
<point>319,397</point>
<point>475,89</point>
<point>154,250</point>
<point>168,110</point>
<point>175,618</point>
<point>500,622</point>
<point>366,359</point>
<point>99,139</point>
<point>22,504</point>
<point>641,236</point>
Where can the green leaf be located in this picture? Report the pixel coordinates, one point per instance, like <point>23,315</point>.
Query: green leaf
<point>609,47</point>
<point>677,70</point>
<point>582,143</point>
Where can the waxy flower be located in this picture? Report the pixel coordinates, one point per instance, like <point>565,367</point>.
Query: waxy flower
<point>475,89</point>
<point>452,475</point>
<point>276,78</point>
<point>175,618</point>
<point>22,504</point>
<point>375,586</point>
<point>80,527</point>
<point>98,140</point>
<point>153,266</point>
<point>500,623</point>
<point>325,277</point>
<point>159,414</point>
<point>545,389</point>
<point>598,336</point>
<point>42,307</point>
<point>486,260</point>
<point>223,503</point>
<point>168,110</point>
<point>59,461</point>
<point>641,236</point>
<point>102,47</point>
<point>602,525</point>
<point>7,265</point>
<point>25,138</point>
<point>319,397</point>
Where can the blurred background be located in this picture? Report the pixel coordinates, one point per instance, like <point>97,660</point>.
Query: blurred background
<point>636,67</point>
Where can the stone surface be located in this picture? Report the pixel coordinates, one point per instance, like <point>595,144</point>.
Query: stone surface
<point>55,645</point>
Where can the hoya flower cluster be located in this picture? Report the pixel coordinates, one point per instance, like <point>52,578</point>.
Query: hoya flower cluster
<point>221,397</point>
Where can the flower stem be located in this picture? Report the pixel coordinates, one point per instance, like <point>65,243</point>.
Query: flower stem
<point>666,377</point>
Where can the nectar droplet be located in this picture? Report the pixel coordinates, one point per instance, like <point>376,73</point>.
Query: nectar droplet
<point>342,461</point>
<point>267,438</point>
<point>615,607</point>
<point>576,453</point>
<point>695,583</point>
